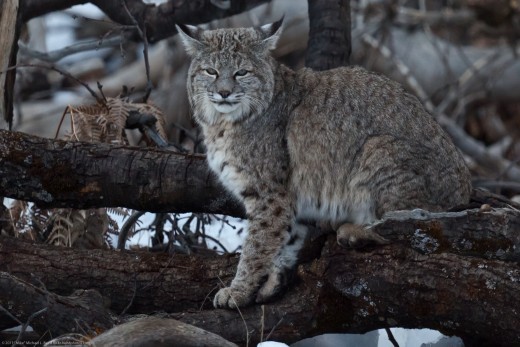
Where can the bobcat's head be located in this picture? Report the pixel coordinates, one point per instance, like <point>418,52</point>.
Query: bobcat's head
<point>231,73</point>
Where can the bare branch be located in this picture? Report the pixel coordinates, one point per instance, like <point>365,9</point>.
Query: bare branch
<point>142,34</point>
<point>64,73</point>
<point>59,54</point>
<point>409,16</point>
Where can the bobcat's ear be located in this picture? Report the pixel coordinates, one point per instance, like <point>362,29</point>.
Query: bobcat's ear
<point>271,33</point>
<point>190,37</point>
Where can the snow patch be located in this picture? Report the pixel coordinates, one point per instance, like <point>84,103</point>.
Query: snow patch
<point>271,344</point>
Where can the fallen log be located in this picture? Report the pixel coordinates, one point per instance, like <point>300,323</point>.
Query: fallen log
<point>54,173</point>
<point>470,293</point>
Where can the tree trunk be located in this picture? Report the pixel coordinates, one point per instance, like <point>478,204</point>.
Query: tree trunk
<point>83,175</point>
<point>329,34</point>
<point>10,25</point>
<point>454,272</point>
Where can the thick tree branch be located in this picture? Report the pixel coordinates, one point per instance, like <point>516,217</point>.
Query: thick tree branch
<point>159,20</point>
<point>491,234</point>
<point>454,288</point>
<point>82,175</point>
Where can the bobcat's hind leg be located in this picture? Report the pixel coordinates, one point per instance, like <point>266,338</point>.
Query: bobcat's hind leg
<point>358,236</point>
<point>283,267</point>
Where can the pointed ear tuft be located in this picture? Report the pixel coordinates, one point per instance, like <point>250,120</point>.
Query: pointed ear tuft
<point>190,37</point>
<point>272,33</point>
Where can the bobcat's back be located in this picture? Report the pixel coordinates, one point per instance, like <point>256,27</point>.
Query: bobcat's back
<point>360,145</point>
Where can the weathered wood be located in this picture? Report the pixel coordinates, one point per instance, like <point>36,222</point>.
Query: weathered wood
<point>9,33</point>
<point>452,289</point>
<point>82,175</point>
<point>491,234</point>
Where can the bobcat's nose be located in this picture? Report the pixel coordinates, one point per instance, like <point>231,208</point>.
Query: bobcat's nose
<point>224,93</point>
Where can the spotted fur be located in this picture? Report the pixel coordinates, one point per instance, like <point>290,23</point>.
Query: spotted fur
<point>344,146</point>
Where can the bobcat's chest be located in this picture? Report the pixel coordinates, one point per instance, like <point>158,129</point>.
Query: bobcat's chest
<point>222,160</point>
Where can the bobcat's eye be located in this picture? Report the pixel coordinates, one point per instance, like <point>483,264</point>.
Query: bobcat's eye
<point>241,73</point>
<point>211,72</point>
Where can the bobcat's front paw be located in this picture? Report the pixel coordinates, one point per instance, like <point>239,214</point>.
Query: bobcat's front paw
<point>232,298</point>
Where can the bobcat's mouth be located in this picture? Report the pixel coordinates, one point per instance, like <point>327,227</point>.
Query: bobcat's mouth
<point>226,106</point>
<point>228,103</point>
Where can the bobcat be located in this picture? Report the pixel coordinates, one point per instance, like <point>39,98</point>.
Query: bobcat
<point>343,146</point>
